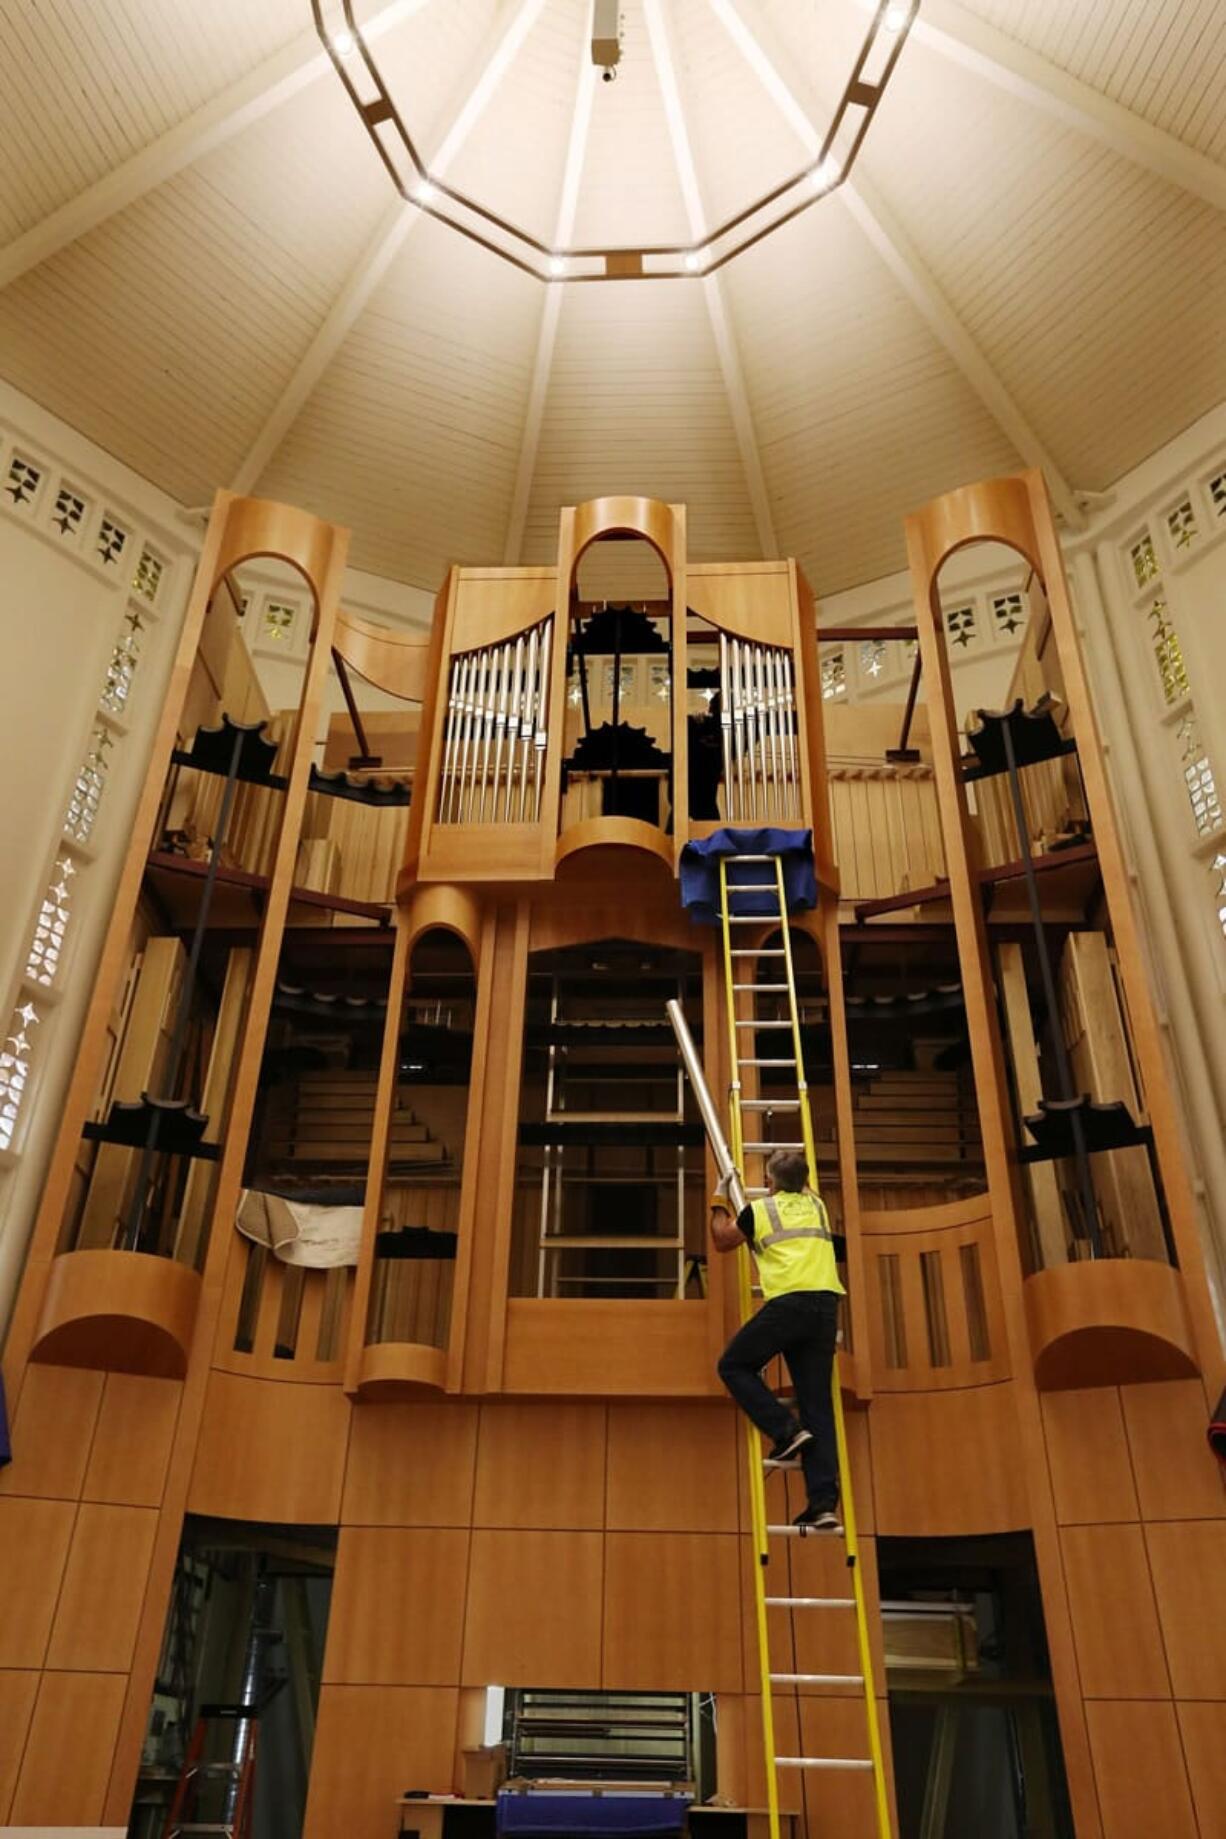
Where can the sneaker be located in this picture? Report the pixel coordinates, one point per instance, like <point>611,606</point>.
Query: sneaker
<point>818,1519</point>
<point>791,1445</point>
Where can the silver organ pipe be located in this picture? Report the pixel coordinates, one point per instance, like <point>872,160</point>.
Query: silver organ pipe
<point>497,734</point>
<point>758,729</point>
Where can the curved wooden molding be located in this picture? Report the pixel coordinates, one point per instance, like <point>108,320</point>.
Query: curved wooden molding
<point>260,527</point>
<point>120,1312</point>
<point>399,1369</point>
<point>1114,1321</point>
<point>614,833</point>
<point>650,518</point>
<point>965,1212</point>
<point>426,908</point>
<point>392,661</point>
<point>993,511</point>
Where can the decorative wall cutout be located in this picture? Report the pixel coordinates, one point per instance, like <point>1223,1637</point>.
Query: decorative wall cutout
<point>15,1070</point>
<point>51,926</point>
<point>961,625</point>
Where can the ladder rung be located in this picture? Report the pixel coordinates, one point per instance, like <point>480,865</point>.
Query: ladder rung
<point>750,919</point>
<point>817,1679</point>
<point>810,1602</point>
<point>757,1024</point>
<point>770,1104</point>
<point>760,988</point>
<point>823,1762</point>
<point>796,1532</point>
<point>767,1063</point>
<point>748,951</point>
<point>761,1149</point>
<point>735,860</point>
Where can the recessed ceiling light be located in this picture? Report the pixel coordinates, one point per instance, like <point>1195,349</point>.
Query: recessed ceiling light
<point>896,16</point>
<point>824,176</point>
<point>343,42</point>
<point>557,265</point>
<point>424,192</point>
<point>693,261</point>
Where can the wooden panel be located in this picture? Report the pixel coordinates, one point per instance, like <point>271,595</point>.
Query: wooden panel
<point>371,1743</point>
<point>1087,1454</point>
<point>131,1446</point>
<point>1188,1561</point>
<point>1092,1324</point>
<point>1177,1477</point>
<point>1203,1729</point>
<point>1040,1178</point>
<point>1115,1620</point>
<point>752,599</point>
<point>672,1612</point>
<point>653,1349</point>
<point>68,1756</point>
<point>34,1537</point>
<point>52,1427</point>
<point>17,1694</point>
<point>837,1801</point>
<point>410,1465</point>
<point>540,1465</point>
<point>533,1613</point>
<point>270,1450</point>
<point>673,1469</point>
<point>126,1312</point>
<point>1139,1770</point>
<point>103,1589</point>
<point>924,1483</point>
<point>397,1613</point>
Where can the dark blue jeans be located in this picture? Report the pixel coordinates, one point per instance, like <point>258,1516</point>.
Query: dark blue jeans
<point>801,1326</point>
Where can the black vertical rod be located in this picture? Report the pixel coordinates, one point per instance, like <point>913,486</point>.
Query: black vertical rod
<point>1064,1076</point>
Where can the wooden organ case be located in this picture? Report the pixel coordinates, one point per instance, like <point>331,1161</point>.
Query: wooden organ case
<point>443,1020</point>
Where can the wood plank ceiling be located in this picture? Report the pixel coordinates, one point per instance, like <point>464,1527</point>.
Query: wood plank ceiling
<point>204,267</point>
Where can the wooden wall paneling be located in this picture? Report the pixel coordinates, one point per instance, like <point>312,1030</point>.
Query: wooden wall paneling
<point>672,1612</point>
<point>132,1443</point>
<point>1176,1474</point>
<point>723,1302</point>
<point>411,1464</point>
<point>1148,1045</point>
<point>371,1743</point>
<point>112,967</point>
<point>673,1468</point>
<point>604,1348</point>
<point>493,604</point>
<point>540,1465</point>
<point>34,1537</point>
<point>1087,1451</point>
<point>17,1694</point>
<point>104,1583</point>
<point>533,1611</point>
<point>837,1800</point>
<point>1041,1182</point>
<point>1115,1619</point>
<point>1202,1729</point>
<point>488,962</point>
<point>844,1105</point>
<point>487,1201</point>
<point>430,737</point>
<point>925,1486</point>
<point>397,1614</point>
<point>270,1450</point>
<point>223,1052</point>
<point>998,510</point>
<point>52,1430</point>
<point>1139,1769</point>
<point>376,1173</point>
<point>68,1753</point>
<point>1188,1562</point>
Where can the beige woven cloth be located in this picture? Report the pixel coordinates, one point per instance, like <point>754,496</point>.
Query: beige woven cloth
<point>300,1233</point>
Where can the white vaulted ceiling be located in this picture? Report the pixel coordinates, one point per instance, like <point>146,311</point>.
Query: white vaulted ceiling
<point>205,267</point>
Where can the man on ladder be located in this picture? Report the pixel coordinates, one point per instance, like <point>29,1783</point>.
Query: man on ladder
<point>789,1234</point>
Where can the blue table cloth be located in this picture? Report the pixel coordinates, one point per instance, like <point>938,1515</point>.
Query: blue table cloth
<point>616,1816</point>
<point>700,872</point>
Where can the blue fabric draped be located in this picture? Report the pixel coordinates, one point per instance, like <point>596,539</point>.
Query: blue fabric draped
<point>700,872</point>
<point>617,1816</point>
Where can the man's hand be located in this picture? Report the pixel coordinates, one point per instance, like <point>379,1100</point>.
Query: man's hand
<point>722,1195</point>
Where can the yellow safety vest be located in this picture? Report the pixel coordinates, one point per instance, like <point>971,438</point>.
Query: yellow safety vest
<point>793,1245</point>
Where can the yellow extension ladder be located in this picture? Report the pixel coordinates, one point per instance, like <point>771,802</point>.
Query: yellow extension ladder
<point>746,1026</point>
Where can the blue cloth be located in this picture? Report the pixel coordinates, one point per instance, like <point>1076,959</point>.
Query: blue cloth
<point>700,872</point>
<point>617,1816</point>
<point>6,1448</point>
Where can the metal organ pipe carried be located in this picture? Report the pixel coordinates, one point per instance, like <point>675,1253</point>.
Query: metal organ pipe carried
<point>758,729</point>
<point>497,731</point>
